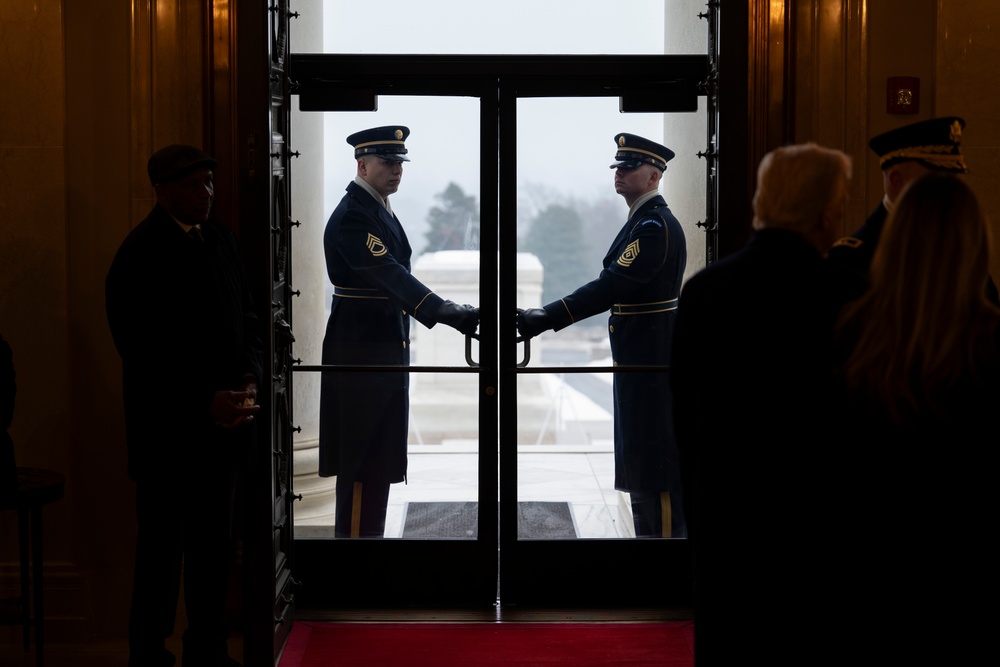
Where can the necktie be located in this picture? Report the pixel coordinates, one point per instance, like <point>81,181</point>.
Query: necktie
<point>195,234</point>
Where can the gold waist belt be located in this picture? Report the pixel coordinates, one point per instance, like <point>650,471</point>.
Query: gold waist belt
<point>357,293</point>
<point>644,308</point>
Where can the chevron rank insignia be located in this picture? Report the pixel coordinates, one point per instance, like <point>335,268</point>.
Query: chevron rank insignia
<point>375,244</point>
<point>631,252</point>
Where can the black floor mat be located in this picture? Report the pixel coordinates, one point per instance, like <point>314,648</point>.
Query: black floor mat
<point>459,520</point>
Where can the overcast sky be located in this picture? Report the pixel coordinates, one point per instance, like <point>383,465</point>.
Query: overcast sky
<point>564,145</point>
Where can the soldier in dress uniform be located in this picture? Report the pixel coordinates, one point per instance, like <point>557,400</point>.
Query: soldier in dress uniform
<point>904,154</point>
<point>363,416</point>
<point>639,285</point>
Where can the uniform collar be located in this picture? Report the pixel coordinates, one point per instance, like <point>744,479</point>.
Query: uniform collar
<point>374,193</point>
<point>641,201</point>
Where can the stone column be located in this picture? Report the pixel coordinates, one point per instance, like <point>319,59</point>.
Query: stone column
<point>314,513</point>
<point>684,185</point>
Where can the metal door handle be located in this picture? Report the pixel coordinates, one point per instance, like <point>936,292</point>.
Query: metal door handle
<point>527,351</point>
<point>527,347</point>
<point>468,350</point>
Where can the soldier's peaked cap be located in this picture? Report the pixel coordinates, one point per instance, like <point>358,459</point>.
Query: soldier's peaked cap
<point>935,143</point>
<point>385,142</point>
<point>634,150</point>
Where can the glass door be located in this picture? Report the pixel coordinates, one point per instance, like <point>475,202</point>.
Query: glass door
<point>584,430</point>
<point>507,199</point>
<point>439,543</point>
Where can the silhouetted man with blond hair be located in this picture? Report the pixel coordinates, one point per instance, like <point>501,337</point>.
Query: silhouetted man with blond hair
<point>752,384</point>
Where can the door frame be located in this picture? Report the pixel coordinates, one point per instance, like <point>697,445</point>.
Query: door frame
<point>536,572</point>
<point>550,572</point>
<point>404,572</point>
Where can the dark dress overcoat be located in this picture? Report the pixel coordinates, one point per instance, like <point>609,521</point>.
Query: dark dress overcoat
<point>639,285</point>
<point>856,251</point>
<point>364,416</point>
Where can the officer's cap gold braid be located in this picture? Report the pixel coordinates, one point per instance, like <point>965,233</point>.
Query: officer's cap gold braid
<point>634,150</point>
<point>385,142</point>
<point>935,143</point>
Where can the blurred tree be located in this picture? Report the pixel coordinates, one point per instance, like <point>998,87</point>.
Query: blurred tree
<point>601,220</point>
<point>454,224</point>
<point>556,238</point>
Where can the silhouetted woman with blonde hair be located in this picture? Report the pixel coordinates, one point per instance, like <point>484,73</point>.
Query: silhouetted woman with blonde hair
<point>921,374</point>
<point>922,341</point>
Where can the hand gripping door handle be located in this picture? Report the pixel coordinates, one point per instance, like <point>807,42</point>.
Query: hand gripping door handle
<point>475,364</point>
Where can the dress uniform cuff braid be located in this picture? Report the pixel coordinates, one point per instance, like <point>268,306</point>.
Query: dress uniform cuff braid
<point>422,302</point>
<point>571,318</point>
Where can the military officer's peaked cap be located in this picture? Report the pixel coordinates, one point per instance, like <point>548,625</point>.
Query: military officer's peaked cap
<point>385,142</point>
<point>174,162</point>
<point>934,143</point>
<point>634,150</point>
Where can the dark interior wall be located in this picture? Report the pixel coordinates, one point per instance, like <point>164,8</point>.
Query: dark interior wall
<point>902,43</point>
<point>70,189</point>
<point>967,83</point>
<point>34,272</point>
<point>953,49</point>
<point>85,103</point>
<point>99,214</point>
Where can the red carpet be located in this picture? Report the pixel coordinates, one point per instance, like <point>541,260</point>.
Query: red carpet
<point>313,644</point>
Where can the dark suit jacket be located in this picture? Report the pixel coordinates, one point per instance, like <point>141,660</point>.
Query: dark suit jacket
<point>183,321</point>
<point>752,379</point>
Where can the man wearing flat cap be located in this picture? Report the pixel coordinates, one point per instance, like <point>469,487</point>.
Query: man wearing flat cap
<point>179,309</point>
<point>364,416</point>
<point>639,285</point>
<point>904,154</point>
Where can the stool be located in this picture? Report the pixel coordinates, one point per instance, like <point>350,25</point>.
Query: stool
<point>35,489</point>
